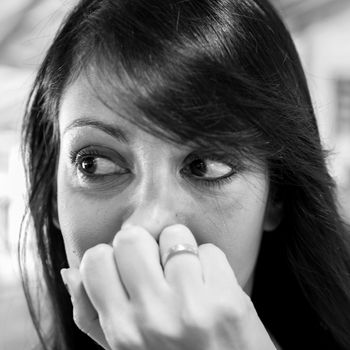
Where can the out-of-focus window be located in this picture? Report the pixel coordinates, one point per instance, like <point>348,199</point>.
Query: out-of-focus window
<point>343,105</point>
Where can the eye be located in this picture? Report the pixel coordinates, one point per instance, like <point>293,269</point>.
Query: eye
<point>93,165</point>
<point>208,169</point>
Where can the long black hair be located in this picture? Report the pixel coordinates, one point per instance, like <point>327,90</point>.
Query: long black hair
<point>224,74</point>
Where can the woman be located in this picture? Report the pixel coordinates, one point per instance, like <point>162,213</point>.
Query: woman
<point>175,167</point>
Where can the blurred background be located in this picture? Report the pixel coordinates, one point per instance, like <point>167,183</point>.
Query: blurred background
<point>321,29</point>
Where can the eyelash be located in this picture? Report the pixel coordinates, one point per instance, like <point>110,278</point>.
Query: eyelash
<point>217,183</point>
<point>214,182</point>
<point>77,156</point>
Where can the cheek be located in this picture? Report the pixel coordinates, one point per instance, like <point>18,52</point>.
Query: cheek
<point>85,221</point>
<point>235,225</point>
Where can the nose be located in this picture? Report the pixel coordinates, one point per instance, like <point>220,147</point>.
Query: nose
<point>155,207</point>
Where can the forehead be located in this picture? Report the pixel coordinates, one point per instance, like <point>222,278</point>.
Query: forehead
<point>83,104</point>
<point>89,97</point>
<point>86,98</point>
<point>83,99</point>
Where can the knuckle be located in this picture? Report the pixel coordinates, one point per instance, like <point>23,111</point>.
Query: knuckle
<point>175,229</point>
<point>197,320</point>
<point>123,337</point>
<point>129,236</point>
<point>233,311</point>
<point>95,253</point>
<point>176,232</point>
<point>212,250</point>
<point>159,322</point>
<point>155,329</point>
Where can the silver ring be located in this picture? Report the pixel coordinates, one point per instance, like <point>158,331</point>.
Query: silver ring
<point>179,249</point>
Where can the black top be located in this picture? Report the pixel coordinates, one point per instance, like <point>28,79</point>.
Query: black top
<point>281,304</point>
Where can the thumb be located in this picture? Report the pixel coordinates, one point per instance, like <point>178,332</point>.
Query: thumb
<point>84,314</point>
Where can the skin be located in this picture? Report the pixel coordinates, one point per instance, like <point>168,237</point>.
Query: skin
<point>116,228</point>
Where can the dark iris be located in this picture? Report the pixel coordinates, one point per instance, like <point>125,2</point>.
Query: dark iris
<point>89,165</point>
<point>198,167</point>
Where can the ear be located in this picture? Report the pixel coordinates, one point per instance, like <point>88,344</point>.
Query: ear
<point>273,214</point>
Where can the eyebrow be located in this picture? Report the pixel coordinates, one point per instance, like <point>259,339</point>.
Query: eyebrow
<point>109,129</point>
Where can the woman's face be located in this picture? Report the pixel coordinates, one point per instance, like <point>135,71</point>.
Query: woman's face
<point>111,172</point>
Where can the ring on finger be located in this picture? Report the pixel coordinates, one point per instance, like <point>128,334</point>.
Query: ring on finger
<point>178,249</point>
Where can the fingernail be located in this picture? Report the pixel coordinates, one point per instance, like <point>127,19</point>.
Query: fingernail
<point>125,226</point>
<point>64,279</point>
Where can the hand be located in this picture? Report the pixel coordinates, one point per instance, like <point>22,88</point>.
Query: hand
<point>124,300</point>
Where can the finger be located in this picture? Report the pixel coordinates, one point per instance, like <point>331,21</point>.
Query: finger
<point>182,271</point>
<point>217,272</point>
<point>137,256</point>
<point>84,314</point>
<point>102,282</point>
